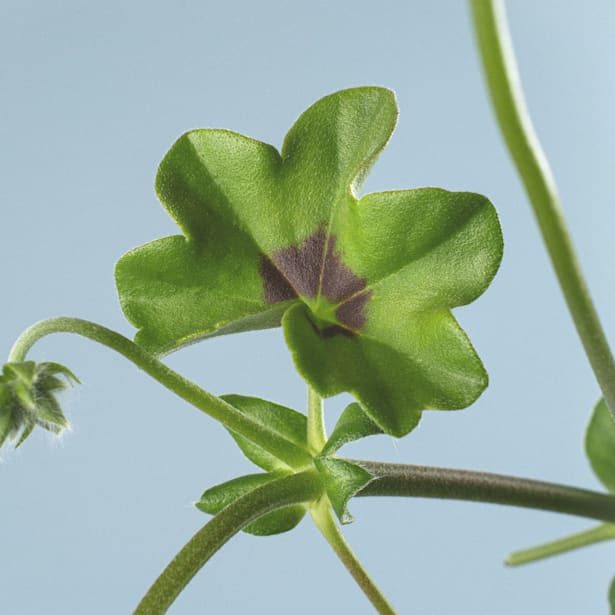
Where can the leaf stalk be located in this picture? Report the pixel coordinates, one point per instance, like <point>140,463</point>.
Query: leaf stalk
<point>316,434</point>
<point>392,479</point>
<point>293,489</point>
<point>208,403</point>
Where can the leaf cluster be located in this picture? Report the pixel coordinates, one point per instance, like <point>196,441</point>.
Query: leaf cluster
<point>341,479</point>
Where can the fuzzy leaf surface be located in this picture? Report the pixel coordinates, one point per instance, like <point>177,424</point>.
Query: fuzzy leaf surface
<point>216,498</point>
<point>362,286</point>
<point>286,422</point>
<point>352,425</point>
<point>342,480</point>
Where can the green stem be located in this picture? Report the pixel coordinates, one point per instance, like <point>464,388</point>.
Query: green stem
<point>549,549</point>
<point>504,84</point>
<point>391,479</point>
<point>316,434</point>
<point>324,520</point>
<point>215,407</point>
<point>293,489</point>
<point>323,517</point>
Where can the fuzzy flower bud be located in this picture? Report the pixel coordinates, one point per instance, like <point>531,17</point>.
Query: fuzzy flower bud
<point>27,398</point>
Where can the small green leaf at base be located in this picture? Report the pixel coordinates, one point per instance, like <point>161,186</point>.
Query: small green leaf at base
<point>219,497</point>
<point>352,425</point>
<point>342,480</point>
<point>600,445</point>
<point>284,421</point>
<point>612,597</point>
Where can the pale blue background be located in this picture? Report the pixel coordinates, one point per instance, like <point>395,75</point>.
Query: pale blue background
<point>92,95</point>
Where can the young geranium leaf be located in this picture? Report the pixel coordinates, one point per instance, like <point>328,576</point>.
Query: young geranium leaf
<point>353,424</point>
<point>600,445</point>
<point>215,499</point>
<point>363,287</point>
<point>342,480</point>
<point>286,422</point>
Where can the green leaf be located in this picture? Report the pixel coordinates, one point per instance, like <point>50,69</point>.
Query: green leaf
<point>342,480</point>
<point>284,421</point>
<point>353,424</point>
<point>612,597</point>
<point>215,499</point>
<point>363,287</point>
<point>600,445</point>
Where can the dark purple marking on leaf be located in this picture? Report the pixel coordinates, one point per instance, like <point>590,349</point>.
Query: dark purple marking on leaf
<point>352,312</point>
<point>331,330</point>
<point>276,285</point>
<point>334,330</point>
<point>299,270</point>
<point>301,265</point>
<point>338,280</point>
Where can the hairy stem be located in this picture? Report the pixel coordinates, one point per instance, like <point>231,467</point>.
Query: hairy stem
<point>293,489</point>
<point>208,403</point>
<point>392,479</point>
<point>569,543</point>
<point>496,50</point>
<point>325,522</point>
<point>316,435</point>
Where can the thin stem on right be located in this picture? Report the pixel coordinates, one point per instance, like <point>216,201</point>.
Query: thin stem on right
<point>600,533</point>
<point>496,51</point>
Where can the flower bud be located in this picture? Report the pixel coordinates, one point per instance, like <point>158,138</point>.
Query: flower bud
<point>27,398</point>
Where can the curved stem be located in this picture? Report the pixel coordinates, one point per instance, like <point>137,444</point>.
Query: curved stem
<point>325,522</point>
<point>316,434</point>
<point>504,84</point>
<point>215,407</point>
<point>293,489</point>
<point>392,479</point>
<point>569,543</point>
